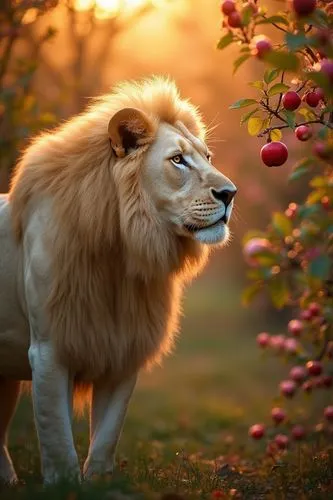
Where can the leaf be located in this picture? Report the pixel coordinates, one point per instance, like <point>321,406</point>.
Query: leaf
<point>254,125</point>
<point>319,182</point>
<point>282,60</point>
<point>274,19</point>
<point>270,75</point>
<point>282,224</point>
<point>251,292</point>
<point>278,88</point>
<point>307,113</point>
<point>276,135</point>
<point>240,61</point>
<point>248,115</point>
<point>242,103</point>
<point>296,41</point>
<point>315,196</point>
<point>320,267</point>
<point>290,118</point>
<point>279,292</point>
<point>301,169</point>
<point>225,41</point>
<point>258,84</point>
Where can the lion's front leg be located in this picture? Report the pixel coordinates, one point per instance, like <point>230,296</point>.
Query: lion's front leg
<point>108,412</point>
<point>52,391</point>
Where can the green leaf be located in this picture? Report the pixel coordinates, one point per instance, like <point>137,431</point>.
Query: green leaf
<point>319,181</point>
<point>320,267</point>
<point>274,19</point>
<point>242,103</point>
<point>290,118</point>
<point>251,292</point>
<point>279,291</point>
<point>296,41</point>
<point>258,84</point>
<point>248,115</point>
<point>270,75</point>
<point>301,169</point>
<point>276,135</point>
<point>307,113</point>
<point>240,61</point>
<point>282,60</point>
<point>225,41</point>
<point>282,224</point>
<point>255,125</point>
<point>278,88</point>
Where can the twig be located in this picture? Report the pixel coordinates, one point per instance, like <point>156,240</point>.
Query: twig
<point>280,127</point>
<point>272,111</point>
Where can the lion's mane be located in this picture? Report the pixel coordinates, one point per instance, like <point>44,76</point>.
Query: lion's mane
<point>117,272</point>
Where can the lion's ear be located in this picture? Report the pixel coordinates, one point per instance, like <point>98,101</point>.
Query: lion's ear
<point>129,129</point>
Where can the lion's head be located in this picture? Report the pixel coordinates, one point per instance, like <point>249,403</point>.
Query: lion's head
<point>191,197</point>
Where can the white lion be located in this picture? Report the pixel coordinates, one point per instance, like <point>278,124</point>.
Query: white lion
<point>107,217</point>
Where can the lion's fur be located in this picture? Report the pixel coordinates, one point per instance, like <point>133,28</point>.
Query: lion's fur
<point>117,273</point>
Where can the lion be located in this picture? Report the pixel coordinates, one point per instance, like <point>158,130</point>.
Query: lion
<point>107,218</point>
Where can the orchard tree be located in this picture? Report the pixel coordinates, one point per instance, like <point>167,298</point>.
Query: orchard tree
<point>291,260</point>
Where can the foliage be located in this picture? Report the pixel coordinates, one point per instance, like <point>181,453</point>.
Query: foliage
<point>291,260</point>
<point>20,113</point>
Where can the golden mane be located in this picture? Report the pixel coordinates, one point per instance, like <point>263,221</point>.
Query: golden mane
<point>115,270</point>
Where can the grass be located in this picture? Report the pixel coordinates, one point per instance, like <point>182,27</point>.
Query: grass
<point>186,431</point>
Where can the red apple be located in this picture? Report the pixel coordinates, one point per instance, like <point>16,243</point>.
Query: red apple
<point>274,154</point>
<point>227,7</point>
<point>288,388</point>
<point>295,327</point>
<point>306,315</point>
<point>262,46</point>
<point>235,19</point>
<point>278,415</point>
<point>257,431</point>
<point>314,309</point>
<point>263,339</point>
<point>291,346</point>
<point>277,342</point>
<point>307,386</point>
<point>312,99</point>
<point>298,432</point>
<point>303,132</point>
<point>298,373</point>
<point>314,367</point>
<point>328,413</point>
<point>291,100</point>
<point>282,441</point>
<point>304,7</point>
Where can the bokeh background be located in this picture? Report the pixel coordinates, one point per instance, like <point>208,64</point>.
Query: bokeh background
<point>50,65</point>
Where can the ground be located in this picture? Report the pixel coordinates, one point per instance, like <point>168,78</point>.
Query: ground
<point>186,431</point>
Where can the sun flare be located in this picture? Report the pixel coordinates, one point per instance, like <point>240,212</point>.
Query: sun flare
<point>109,7</point>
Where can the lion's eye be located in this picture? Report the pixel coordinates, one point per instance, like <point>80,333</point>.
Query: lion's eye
<point>179,160</point>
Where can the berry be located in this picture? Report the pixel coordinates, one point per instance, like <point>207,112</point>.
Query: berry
<point>253,247</point>
<point>277,342</point>
<point>312,99</point>
<point>314,367</point>
<point>298,373</point>
<point>303,132</point>
<point>235,20</point>
<point>291,100</point>
<point>314,309</point>
<point>291,210</point>
<point>327,69</point>
<point>327,381</point>
<point>306,315</point>
<point>288,388</point>
<point>281,441</point>
<point>262,46</point>
<point>257,431</point>
<point>298,432</point>
<point>322,150</point>
<point>218,494</point>
<point>307,386</point>
<point>325,202</point>
<point>263,339</point>
<point>291,346</point>
<point>278,415</point>
<point>227,7</point>
<point>328,413</point>
<point>295,327</point>
<point>274,154</point>
<point>304,7</point>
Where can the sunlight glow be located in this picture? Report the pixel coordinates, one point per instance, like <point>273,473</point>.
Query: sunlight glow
<point>104,9</point>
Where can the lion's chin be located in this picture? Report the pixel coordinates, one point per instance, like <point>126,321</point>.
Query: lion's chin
<point>212,235</point>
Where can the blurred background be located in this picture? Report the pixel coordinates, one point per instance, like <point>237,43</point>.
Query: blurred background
<point>54,56</point>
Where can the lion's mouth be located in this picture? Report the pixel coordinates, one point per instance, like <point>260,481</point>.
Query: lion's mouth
<point>192,228</point>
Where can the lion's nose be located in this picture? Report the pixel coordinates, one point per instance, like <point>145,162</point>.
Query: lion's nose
<point>224,195</point>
